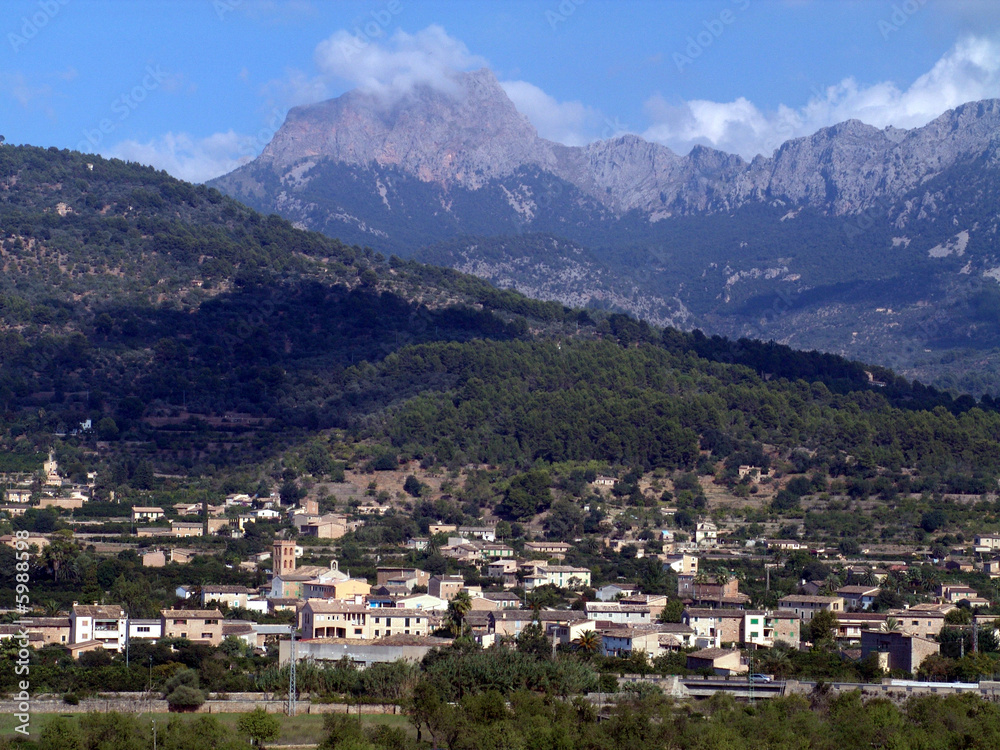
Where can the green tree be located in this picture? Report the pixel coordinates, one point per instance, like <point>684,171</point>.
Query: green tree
<point>60,734</point>
<point>259,726</point>
<point>412,486</point>
<point>526,495</point>
<point>532,641</point>
<point>588,642</point>
<point>823,626</point>
<point>959,616</point>
<point>458,608</point>
<point>107,429</point>
<point>673,611</point>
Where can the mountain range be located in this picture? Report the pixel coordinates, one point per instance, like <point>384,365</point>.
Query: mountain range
<point>880,244</point>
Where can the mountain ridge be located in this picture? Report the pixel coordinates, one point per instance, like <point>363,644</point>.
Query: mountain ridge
<point>876,244</point>
<point>474,133</point>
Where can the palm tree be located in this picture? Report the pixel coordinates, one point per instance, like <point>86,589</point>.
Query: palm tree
<point>589,642</point>
<point>891,625</point>
<point>57,556</point>
<point>504,641</point>
<point>458,608</point>
<point>868,578</point>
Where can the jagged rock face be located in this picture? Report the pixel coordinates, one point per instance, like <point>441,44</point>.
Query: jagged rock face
<point>466,135</point>
<point>851,166</point>
<point>470,133</point>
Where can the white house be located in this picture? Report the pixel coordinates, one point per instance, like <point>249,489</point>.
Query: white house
<point>613,590</point>
<point>148,629</point>
<point>105,624</point>
<point>146,513</point>
<point>706,534</point>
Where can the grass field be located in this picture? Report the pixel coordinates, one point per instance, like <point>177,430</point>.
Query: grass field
<point>298,730</point>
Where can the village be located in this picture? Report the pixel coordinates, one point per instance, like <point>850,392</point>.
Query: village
<point>403,611</point>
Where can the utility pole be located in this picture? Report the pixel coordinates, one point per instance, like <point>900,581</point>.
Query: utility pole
<point>750,677</point>
<point>291,677</point>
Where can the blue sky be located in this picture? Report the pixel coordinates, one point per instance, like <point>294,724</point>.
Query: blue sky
<point>197,86</point>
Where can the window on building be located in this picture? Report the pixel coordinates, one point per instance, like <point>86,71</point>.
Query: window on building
<point>206,635</point>
<point>357,631</point>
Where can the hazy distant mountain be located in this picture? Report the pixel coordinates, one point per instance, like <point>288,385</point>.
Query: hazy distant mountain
<point>878,244</point>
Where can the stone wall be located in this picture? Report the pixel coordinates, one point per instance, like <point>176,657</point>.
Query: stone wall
<point>233,703</point>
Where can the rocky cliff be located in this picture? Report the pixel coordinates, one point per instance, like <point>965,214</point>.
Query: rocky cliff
<point>470,133</point>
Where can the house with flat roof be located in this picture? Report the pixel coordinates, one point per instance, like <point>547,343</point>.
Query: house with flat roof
<point>850,625</point>
<point>706,534</point>
<point>764,628</point>
<point>104,623</point>
<point>552,549</point>
<point>715,625</point>
<point>609,614</point>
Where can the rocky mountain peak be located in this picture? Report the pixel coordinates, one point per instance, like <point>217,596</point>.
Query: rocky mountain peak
<point>465,131</point>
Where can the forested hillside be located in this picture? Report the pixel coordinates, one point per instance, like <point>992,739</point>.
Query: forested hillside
<point>155,309</point>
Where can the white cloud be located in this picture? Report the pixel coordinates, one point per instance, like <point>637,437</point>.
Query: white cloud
<point>430,57</point>
<point>388,67</point>
<point>189,158</point>
<point>571,123</point>
<point>25,92</point>
<point>968,72</point>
